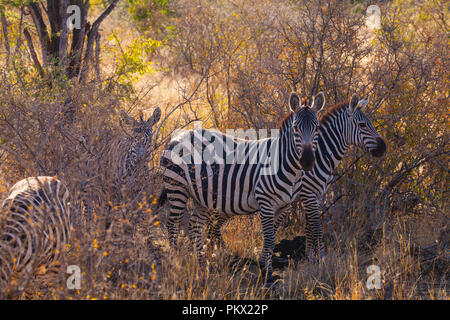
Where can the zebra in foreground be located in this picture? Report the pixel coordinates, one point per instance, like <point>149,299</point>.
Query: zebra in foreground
<point>343,125</point>
<point>243,185</point>
<point>35,227</point>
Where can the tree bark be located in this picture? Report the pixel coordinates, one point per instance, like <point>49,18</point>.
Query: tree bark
<point>5,36</point>
<point>41,29</point>
<point>33,52</point>
<point>54,43</point>
<point>91,38</point>
<point>64,38</point>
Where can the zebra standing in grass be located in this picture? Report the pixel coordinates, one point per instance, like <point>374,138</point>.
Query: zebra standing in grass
<point>238,177</point>
<point>342,126</point>
<point>35,227</point>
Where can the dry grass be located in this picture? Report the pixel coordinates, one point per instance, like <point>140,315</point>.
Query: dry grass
<point>142,266</point>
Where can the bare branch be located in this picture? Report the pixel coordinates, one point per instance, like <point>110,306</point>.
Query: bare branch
<point>91,38</point>
<point>33,52</point>
<point>41,29</point>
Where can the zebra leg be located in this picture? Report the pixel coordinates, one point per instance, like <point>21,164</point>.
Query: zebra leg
<point>280,217</point>
<point>198,219</point>
<point>177,203</point>
<point>314,233</point>
<point>268,228</point>
<point>214,230</point>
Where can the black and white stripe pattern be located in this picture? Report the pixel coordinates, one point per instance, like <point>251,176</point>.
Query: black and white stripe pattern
<point>344,125</point>
<point>35,227</point>
<point>243,185</point>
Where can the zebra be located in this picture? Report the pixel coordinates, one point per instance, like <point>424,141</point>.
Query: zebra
<point>133,152</point>
<point>35,227</point>
<point>341,126</point>
<point>240,186</point>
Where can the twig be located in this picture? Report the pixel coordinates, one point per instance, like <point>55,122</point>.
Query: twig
<point>187,100</point>
<point>33,52</point>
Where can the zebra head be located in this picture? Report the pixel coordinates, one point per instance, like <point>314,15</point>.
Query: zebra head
<point>305,127</point>
<point>141,136</point>
<point>363,133</point>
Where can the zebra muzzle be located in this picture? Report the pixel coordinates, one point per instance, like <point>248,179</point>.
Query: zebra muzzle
<point>307,159</point>
<point>380,149</point>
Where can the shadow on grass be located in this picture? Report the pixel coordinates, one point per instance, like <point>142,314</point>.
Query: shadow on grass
<point>287,250</point>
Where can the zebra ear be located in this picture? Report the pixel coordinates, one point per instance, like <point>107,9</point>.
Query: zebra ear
<point>126,118</point>
<point>353,103</point>
<point>318,102</point>
<point>155,116</point>
<point>294,102</point>
<point>363,103</point>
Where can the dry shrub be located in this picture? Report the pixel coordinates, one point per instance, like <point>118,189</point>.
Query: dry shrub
<point>70,132</point>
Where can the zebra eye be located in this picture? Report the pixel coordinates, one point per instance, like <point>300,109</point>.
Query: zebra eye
<point>362,124</point>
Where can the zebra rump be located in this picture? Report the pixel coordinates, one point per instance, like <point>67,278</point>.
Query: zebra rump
<point>35,227</point>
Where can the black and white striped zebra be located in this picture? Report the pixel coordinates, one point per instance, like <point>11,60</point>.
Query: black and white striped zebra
<point>230,176</point>
<point>133,151</point>
<point>343,125</point>
<point>35,227</point>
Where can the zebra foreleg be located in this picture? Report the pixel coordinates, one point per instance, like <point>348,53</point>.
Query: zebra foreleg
<point>268,228</point>
<point>314,233</point>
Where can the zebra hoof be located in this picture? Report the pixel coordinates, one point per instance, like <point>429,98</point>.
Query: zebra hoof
<point>267,278</point>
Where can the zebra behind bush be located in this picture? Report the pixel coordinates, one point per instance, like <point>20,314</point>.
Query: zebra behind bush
<point>129,156</point>
<point>35,227</point>
<point>342,126</point>
<point>251,181</point>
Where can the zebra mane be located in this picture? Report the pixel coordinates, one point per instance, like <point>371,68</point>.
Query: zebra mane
<point>286,122</point>
<point>332,111</point>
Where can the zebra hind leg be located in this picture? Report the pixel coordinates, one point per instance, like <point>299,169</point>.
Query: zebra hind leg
<point>196,223</point>
<point>314,233</point>
<point>177,204</point>
<point>214,230</point>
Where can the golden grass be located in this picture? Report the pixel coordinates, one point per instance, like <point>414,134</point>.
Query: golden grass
<point>142,266</point>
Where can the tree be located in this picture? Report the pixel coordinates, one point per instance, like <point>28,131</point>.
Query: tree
<point>62,48</point>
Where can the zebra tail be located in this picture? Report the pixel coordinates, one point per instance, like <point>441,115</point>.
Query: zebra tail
<point>162,198</point>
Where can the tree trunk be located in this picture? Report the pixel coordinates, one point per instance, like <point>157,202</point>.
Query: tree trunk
<point>73,59</point>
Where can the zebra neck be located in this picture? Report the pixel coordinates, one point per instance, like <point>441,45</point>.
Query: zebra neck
<point>333,142</point>
<point>289,157</point>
